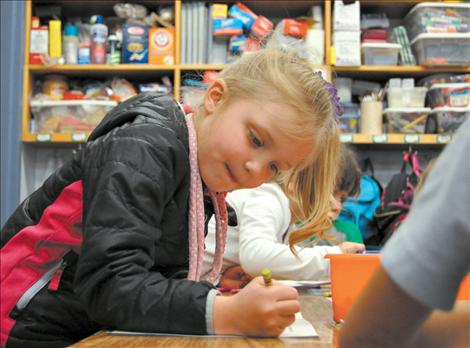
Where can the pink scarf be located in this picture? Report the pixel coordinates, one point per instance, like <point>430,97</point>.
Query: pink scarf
<point>196,217</point>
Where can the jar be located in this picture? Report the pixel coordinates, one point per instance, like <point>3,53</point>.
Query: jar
<point>55,86</point>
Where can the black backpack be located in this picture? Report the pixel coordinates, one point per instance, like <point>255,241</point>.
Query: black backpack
<point>397,198</point>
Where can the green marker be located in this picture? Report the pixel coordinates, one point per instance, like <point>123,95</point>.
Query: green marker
<point>266,273</point>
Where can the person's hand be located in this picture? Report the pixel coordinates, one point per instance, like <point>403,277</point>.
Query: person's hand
<point>257,310</point>
<point>351,248</point>
<point>234,277</point>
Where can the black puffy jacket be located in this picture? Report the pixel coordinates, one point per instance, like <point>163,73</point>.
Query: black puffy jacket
<point>121,202</point>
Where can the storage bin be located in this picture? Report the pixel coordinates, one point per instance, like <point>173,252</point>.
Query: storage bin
<point>69,115</point>
<point>406,120</point>
<point>449,94</point>
<point>404,98</point>
<point>350,274</point>
<point>437,17</point>
<point>442,49</point>
<point>448,120</point>
<point>344,87</point>
<point>349,121</point>
<point>378,53</point>
<point>435,79</point>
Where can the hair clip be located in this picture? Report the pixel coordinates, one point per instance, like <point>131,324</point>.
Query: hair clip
<point>335,101</point>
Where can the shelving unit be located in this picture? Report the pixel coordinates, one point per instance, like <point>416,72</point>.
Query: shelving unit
<point>177,71</point>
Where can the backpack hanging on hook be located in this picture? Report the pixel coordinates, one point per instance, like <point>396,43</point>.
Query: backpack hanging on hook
<point>397,197</point>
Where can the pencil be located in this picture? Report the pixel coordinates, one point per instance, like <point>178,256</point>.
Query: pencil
<point>266,273</point>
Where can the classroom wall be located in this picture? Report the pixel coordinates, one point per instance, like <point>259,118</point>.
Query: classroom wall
<point>12,38</point>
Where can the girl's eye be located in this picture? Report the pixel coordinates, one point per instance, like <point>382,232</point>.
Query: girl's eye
<point>255,140</point>
<point>274,168</point>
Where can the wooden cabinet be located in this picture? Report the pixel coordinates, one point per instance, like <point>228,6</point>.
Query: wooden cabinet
<point>274,10</point>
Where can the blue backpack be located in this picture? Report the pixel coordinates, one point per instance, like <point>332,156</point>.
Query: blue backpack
<point>361,210</point>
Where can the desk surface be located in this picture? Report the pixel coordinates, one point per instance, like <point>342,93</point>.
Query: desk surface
<point>316,309</point>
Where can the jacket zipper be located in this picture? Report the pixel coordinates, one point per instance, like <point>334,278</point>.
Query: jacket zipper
<point>36,287</point>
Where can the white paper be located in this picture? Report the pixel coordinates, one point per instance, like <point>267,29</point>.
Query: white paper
<point>301,328</point>
<point>305,284</point>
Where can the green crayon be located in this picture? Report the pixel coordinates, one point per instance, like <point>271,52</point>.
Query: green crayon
<point>266,273</point>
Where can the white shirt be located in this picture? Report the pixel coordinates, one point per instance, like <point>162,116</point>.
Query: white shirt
<point>264,216</point>
<point>430,253</point>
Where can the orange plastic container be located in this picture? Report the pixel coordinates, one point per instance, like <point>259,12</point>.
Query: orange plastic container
<point>351,272</point>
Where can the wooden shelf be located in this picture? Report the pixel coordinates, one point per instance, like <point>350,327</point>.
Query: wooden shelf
<point>145,72</point>
<point>401,69</point>
<point>100,67</point>
<point>76,137</point>
<point>396,139</point>
<point>201,66</point>
<point>390,139</point>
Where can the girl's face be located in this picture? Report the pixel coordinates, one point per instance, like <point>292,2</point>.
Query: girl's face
<point>241,143</point>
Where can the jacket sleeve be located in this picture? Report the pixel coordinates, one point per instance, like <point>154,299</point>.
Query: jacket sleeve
<point>127,183</point>
<point>263,218</point>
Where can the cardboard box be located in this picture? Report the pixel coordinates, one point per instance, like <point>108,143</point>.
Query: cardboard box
<point>347,48</point>
<point>162,46</point>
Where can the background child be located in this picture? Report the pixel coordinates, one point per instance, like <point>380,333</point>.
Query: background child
<point>348,185</point>
<point>265,231</point>
<point>116,227</point>
<point>422,266</point>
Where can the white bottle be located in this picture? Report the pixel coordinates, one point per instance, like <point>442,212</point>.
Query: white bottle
<point>70,44</point>
<point>99,34</point>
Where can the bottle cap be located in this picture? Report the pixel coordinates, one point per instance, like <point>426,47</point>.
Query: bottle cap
<point>35,22</point>
<point>71,30</point>
<point>96,19</point>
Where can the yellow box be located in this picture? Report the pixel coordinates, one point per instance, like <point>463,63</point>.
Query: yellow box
<point>219,10</point>
<point>162,46</point>
<point>55,38</point>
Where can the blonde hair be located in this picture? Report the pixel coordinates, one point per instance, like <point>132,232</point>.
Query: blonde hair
<point>274,72</point>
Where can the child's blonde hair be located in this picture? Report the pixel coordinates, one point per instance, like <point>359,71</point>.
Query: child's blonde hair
<point>281,75</point>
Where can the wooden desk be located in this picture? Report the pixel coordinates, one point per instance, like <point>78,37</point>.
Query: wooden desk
<point>316,309</point>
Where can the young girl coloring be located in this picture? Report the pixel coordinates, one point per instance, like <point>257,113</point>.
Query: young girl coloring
<point>106,241</point>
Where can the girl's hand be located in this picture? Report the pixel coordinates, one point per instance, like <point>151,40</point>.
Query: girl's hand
<point>351,248</point>
<point>257,310</point>
<point>234,277</point>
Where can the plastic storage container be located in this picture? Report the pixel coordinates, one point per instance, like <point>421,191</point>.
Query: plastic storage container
<point>406,120</point>
<point>350,274</point>
<point>344,87</point>
<point>438,17</point>
<point>69,115</point>
<point>448,120</point>
<point>406,98</point>
<point>449,94</point>
<point>442,49</point>
<point>378,53</point>
<point>349,121</point>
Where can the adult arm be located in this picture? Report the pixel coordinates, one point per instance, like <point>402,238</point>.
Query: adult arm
<point>386,316</point>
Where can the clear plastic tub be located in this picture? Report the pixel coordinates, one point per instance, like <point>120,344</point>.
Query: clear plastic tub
<point>349,121</point>
<point>405,98</point>
<point>69,115</point>
<point>449,94</point>
<point>448,120</point>
<point>344,87</point>
<point>406,120</point>
<point>442,49</point>
<point>438,17</point>
<point>378,53</point>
